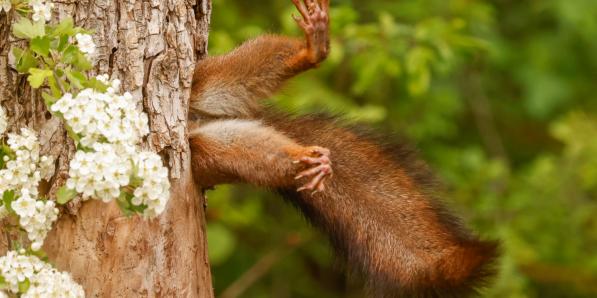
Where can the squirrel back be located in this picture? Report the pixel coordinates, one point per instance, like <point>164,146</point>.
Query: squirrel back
<point>382,217</point>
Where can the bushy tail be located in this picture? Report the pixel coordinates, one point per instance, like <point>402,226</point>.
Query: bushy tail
<point>463,271</point>
<point>382,218</point>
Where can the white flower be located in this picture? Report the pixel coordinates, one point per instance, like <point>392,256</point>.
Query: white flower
<point>42,10</point>
<point>110,127</point>
<point>44,281</point>
<point>24,206</point>
<point>36,217</point>
<point>103,116</point>
<point>6,6</point>
<point>3,123</point>
<point>47,167</point>
<point>100,174</point>
<point>86,44</point>
<point>104,78</point>
<point>154,192</point>
<point>22,174</point>
<point>25,171</point>
<point>63,104</point>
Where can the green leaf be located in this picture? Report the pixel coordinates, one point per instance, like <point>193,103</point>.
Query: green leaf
<point>38,253</point>
<point>137,209</point>
<point>7,199</point>
<point>24,28</point>
<point>65,27</point>
<point>56,92</point>
<point>3,283</point>
<point>41,45</point>
<point>17,53</point>
<point>135,181</point>
<point>62,43</point>
<point>76,78</point>
<point>64,195</point>
<point>49,100</point>
<point>25,60</point>
<point>38,76</point>
<point>24,286</point>
<point>82,63</point>
<point>69,54</point>
<point>96,85</point>
<point>73,135</point>
<point>417,65</point>
<point>7,151</point>
<point>124,203</point>
<point>73,56</point>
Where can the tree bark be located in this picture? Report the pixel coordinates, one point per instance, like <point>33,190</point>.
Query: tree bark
<point>151,46</point>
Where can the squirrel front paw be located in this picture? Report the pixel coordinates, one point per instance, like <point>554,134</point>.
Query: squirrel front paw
<point>315,23</point>
<point>320,168</point>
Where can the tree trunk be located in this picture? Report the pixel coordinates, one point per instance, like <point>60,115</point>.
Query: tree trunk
<point>152,47</point>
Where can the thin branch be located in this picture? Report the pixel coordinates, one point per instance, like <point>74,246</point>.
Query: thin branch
<point>484,118</point>
<point>258,270</point>
<point>8,240</point>
<point>58,82</point>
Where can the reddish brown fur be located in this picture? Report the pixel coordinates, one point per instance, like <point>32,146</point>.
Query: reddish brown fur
<point>384,223</point>
<point>263,60</point>
<point>377,209</point>
<point>231,151</point>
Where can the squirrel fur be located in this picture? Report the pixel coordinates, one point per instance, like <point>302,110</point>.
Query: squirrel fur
<point>371,199</point>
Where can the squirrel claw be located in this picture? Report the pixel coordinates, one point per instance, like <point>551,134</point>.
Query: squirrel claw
<point>321,170</point>
<point>314,23</point>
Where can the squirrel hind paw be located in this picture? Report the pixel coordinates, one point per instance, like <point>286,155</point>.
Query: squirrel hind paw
<point>321,169</point>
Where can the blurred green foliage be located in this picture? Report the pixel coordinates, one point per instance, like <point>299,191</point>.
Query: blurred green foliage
<point>499,96</point>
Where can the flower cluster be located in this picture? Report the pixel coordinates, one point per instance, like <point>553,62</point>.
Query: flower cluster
<point>86,44</point>
<point>22,176</point>
<point>3,123</point>
<point>106,117</point>
<point>25,171</point>
<point>44,281</point>
<point>101,173</point>
<point>42,10</point>
<point>110,126</point>
<point>105,124</point>
<point>154,190</point>
<point>36,217</point>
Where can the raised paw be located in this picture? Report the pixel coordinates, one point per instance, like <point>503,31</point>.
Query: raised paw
<point>320,168</point>
<point>315,23</point>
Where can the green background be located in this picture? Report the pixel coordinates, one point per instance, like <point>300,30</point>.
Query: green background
<point>500,97</point>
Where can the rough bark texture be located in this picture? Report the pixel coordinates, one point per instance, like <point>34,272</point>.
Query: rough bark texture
<point>152,46</point>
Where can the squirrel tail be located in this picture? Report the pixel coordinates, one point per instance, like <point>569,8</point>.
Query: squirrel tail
<point>382,217</point>
<point>462,271</point>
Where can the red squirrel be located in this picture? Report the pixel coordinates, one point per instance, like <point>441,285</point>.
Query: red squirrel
<point>369,198</point>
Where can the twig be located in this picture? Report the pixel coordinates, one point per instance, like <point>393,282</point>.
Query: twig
<point>484,117</point>
<point>258,270</point>
<point>58,82</point>
<point>8,240</point>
